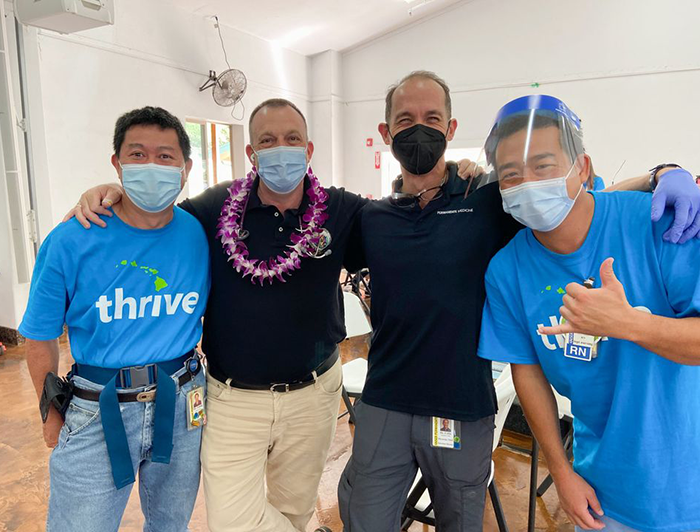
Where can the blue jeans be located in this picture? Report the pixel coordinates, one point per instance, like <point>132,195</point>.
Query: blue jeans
<point>83,496</point>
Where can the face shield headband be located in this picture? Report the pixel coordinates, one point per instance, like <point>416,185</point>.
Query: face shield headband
<point>525,131</point>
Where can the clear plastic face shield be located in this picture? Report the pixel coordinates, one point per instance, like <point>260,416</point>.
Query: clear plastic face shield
<point>534,138</point>
<point>535,152</point>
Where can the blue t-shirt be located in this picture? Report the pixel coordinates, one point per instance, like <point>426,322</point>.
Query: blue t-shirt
<point>129,296</point>
<point>636,414</point>
<point>598,183</point>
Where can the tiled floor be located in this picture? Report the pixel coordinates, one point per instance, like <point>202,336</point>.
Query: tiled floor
<point>24,459</point>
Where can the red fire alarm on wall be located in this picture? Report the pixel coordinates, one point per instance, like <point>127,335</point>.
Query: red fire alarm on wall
<point>370,142</point>
<point>377,160</point>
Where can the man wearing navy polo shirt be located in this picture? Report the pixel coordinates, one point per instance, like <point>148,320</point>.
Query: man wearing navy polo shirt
<point>427,248</point>
<point>623,344</point>
<point>132,296</point>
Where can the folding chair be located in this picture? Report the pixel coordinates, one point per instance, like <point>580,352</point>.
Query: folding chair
<point>418,505</point>
<point>355,371</point>
<point>359,284</point>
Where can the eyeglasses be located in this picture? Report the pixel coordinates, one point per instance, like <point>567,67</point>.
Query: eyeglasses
<point>402,199</point>
<point>409,200</point>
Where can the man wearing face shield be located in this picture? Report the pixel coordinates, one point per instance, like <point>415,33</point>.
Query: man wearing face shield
<point>277,241</point>
<point>623,344</point>
<point>132,298</point>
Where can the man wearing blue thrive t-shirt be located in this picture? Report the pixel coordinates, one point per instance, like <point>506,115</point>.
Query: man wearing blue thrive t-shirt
<point>625,344</point>
<point>132,296</point>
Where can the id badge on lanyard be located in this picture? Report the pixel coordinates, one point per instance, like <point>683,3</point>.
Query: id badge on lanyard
<point>196,414</point>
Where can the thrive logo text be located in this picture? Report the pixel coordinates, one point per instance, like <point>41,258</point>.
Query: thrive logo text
<point>147,305</point>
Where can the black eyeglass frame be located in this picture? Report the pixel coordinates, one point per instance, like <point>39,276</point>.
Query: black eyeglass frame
<point>401,199</point>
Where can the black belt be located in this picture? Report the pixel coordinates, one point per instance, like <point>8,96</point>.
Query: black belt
<point>142,397</point>
<point>290,386</point>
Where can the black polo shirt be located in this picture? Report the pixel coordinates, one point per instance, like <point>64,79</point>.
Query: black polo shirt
<point>277,332</point>
<point>427,268</point>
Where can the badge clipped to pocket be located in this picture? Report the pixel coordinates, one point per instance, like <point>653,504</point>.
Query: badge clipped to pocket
<point>446,433</point>
<point>196,415</point>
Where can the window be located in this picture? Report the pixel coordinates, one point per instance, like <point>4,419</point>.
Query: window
<point>391,167</point>
<point>211,154</point>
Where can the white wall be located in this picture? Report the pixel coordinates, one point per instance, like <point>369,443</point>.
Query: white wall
<point>629,69</point>
<point>16,247</point>
<point>326,116</point>
<point>153,55</point>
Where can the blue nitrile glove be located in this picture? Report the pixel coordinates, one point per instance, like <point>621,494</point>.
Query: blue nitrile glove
<point>677,188</point>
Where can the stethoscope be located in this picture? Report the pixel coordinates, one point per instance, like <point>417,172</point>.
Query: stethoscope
<point>243,234</point>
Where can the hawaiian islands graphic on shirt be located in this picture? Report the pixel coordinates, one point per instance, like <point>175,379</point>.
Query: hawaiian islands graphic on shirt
<point>548,288</point>
<point>158,282</point>
<point>118,306</point>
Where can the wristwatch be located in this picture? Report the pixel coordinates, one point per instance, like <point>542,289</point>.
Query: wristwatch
<point>655,170</point>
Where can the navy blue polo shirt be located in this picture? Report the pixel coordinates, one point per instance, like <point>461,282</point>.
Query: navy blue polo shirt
<point>277,332</point>
<point>427,268</point>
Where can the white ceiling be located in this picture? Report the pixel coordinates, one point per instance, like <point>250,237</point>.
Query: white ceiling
<point>313,26</point>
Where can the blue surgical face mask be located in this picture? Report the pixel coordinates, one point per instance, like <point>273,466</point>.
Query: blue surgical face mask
<point>539,205</point>
<point>152,187</point>
<point>282,168</point>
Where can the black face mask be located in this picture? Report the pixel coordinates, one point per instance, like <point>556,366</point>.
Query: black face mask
<point>419,148</point>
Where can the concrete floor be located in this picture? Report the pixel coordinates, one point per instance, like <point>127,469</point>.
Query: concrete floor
<point>24,483</point>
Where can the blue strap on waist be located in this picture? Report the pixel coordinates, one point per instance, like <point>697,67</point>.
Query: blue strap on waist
<point>113,425</point>
<point>164,420</point>
<point>115,436</point>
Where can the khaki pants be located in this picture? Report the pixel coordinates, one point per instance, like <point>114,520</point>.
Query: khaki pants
<point>256,439</point>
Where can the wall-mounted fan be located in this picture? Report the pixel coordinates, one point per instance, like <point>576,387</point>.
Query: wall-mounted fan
<point>227,88</point>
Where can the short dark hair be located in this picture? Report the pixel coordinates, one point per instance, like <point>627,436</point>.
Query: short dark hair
<point>275,103</point>
<point>425,74</point>
<point>572,146</point>
<point>150,116</point>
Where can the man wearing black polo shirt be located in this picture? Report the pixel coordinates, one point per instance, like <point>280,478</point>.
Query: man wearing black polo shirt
<point>277,243</point>
<point>427,249</point>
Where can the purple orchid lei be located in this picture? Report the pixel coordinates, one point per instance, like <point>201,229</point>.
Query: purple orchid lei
<point>303,244</point>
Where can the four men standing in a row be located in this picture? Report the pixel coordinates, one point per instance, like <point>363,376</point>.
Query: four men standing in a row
<point>277,242</point>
